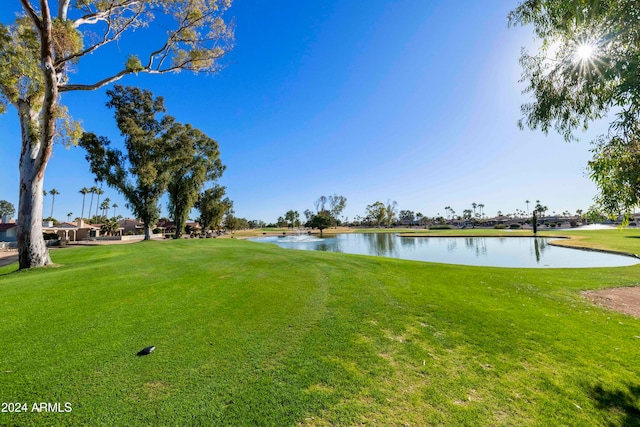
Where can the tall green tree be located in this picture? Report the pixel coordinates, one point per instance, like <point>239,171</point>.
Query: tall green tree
<point>293,217</point>
<point>377,212</point>
<point>213,207</point>
<point>7,209</point>
<point>390,212</point>
<point>195,159</point>
<point>140,173</point>
<point>587,68</point>
<point>50,38</point>
<point>320,221</point>
<point>407,216</point>
<point>337,205</point>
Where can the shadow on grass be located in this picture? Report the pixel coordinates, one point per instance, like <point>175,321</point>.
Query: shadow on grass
<point>624,402</point>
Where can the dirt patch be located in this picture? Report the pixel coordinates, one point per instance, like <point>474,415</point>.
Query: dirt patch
<point>624,300</point>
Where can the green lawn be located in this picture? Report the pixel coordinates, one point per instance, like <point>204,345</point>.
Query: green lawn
<point>251,334</point>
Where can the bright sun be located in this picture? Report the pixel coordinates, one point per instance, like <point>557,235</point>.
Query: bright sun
<point>584,52</point>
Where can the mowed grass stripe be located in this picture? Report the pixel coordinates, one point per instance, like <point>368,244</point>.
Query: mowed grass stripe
<point>251,334</point>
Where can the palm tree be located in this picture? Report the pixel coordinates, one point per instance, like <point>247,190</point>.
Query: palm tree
<point>114,206</point>
<point>481,206</point>
<point>105,206</point>
<point>84,192</point>
<point>69,216</point>
<point>53,193</point>
<point>98,192</point>
<point>527,202</point>
<point>92,190</point>
<point>474,205</point>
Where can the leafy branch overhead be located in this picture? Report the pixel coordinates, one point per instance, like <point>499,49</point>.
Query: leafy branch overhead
<point>194,36</point>
<point>588,68</point>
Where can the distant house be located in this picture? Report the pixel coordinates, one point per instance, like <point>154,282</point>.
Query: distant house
<point>9,232</point>
<point>74,232</point>
<point>166,226</point>
<point>193,226</point>
<point>131,226</point>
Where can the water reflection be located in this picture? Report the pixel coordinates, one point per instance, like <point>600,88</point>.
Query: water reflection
<point>382,244</point>
<point>477,245</point>
<point>522,252</point>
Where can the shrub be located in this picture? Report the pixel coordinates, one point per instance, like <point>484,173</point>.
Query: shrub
<point>514,226</point>
<point>499,226</point>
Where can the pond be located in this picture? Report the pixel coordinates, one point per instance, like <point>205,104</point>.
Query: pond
<point>518,252</point>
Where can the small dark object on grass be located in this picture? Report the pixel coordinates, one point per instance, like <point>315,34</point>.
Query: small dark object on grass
<point>146,350</point>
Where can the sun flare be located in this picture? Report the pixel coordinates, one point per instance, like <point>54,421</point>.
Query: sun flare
<point>584,52</point>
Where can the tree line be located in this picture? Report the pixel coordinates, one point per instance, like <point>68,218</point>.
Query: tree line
<point>160,156</point>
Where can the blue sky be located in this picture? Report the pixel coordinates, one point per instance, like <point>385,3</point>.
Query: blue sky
<point>414,101</point>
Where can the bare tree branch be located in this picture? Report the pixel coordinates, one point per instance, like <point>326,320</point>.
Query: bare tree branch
<point>96,17</point>
<point>63,8</point>
<point>97,85</point>
<point>32,14</point>
<point>105,39</point>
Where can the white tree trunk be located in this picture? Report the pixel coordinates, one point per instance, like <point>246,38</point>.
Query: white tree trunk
<point>32,251</point>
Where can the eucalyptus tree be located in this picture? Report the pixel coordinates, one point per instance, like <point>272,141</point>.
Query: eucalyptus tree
<point>194,160</point>
<point>337,204</point>
<point>407,216</point>
<point>320,204</point>
<point>390,212</point>
<point>140,174</point>
<point>50,39</point>
<point>7,209</point>
<point>292,217</point>
<point>213,207</point>
<point>586,69</point>
<point>307,215</point>
<point>377,212</point>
